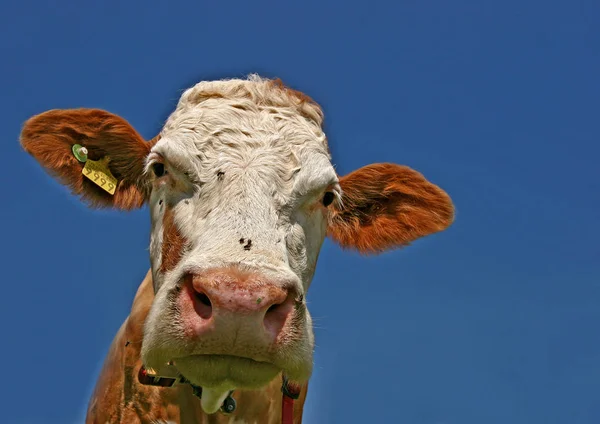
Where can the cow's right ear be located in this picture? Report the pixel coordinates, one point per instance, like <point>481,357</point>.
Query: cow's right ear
<point>49,137</point>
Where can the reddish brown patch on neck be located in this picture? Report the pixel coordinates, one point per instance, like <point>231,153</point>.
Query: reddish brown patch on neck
<point>173,242</point>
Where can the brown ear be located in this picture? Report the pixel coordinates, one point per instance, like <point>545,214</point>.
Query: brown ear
<point>385,206</point>
<point>50,136</point>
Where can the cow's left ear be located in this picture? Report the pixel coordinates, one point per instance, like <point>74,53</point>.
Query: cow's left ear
<point>50,137</point>
<point>385,206</point>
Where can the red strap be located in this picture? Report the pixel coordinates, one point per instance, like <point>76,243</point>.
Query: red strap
<point>290,392</point>
<point>287,410</point>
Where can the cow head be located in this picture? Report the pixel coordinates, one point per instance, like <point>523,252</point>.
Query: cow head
<point>242,193</point>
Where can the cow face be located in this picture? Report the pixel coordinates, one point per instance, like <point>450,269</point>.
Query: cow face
<point>242,193</point>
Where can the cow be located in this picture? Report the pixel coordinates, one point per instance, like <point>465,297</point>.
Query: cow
<point>241,192</point>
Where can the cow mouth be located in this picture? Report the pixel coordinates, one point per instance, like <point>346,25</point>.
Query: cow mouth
<point>229,371</point>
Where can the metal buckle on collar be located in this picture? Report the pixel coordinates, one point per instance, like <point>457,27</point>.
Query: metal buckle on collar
<point>285,389</point>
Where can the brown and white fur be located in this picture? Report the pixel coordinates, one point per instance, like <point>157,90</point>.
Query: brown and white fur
<point>242,193</point>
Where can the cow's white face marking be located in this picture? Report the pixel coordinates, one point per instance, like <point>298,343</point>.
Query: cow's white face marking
<point>246,171</point>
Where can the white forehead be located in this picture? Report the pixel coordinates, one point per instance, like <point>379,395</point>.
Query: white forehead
<point>247,118</point>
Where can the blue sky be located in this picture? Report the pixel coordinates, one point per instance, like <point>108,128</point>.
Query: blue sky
<point>493,321</point>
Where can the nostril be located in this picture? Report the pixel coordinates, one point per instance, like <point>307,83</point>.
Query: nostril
<point>202,305</point>
<point>202,298</point>
<point>273,307</point>
<point>276,316</point>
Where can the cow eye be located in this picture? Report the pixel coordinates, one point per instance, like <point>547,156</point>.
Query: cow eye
<point>159,169</point>
<point>328,198</point>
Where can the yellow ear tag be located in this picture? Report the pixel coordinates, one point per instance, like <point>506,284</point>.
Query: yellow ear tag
<point>98,172</point>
